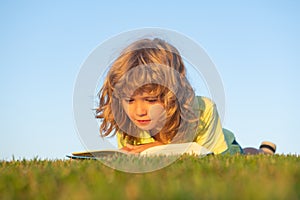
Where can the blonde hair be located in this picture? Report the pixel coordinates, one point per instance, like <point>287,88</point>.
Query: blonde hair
<point>153,66</point>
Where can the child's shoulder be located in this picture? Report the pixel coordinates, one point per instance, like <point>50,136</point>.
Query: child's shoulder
<point>204,102</point>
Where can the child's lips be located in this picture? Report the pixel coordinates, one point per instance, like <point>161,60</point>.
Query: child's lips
<point>144,121</point>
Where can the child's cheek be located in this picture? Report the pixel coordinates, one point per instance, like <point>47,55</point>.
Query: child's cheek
<point>158,118</point>
<point>157,111</point>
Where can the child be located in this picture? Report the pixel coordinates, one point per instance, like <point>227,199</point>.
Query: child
<point>147,101</point>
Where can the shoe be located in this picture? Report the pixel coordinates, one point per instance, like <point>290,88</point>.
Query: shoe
<point>268,147</point>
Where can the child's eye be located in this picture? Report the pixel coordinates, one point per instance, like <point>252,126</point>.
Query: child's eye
<point>152,100</point>
<point>128,100</point>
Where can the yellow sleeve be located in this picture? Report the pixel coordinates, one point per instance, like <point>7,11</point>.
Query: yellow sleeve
<point>210,133</point>
<point>121,140</point>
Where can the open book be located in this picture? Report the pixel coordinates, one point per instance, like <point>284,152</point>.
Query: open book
<point>191,148</point>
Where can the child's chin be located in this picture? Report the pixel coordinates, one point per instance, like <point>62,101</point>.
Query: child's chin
<point>145,128</point>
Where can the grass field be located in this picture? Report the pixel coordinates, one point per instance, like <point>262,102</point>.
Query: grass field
<point>211,177</point>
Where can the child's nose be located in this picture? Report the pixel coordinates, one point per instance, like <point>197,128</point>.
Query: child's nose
<point>140,109</point>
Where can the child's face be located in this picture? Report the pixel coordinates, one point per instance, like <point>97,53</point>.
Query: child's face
<point>145,111</point>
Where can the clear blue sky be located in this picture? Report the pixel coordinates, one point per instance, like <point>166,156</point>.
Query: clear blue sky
<point>255,46</point>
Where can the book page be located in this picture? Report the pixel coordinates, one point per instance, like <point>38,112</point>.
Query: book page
<point>99,153</point>
<point>191,148</point>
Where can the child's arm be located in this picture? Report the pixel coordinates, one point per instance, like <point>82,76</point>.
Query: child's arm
<point>210,133</point>
<point>139,148</point>
<point>122,142</point>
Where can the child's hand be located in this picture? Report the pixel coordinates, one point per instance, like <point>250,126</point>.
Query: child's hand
<point>139,148</point>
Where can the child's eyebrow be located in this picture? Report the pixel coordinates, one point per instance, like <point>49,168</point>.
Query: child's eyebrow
<point>144,97</point>
<point>151,97</point>
<point>127,97</point>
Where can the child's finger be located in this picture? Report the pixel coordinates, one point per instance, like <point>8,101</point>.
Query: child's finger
<point>126,149</point>
<point>129,146</point>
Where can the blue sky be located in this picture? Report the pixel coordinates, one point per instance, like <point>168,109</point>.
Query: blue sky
<point>254,45</point>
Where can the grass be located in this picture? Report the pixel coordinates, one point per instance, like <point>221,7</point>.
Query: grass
<point>211,177</point>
